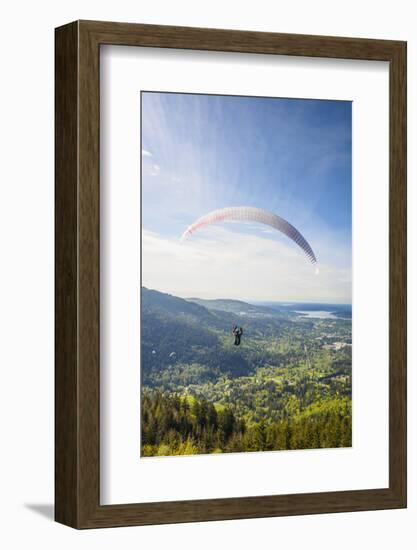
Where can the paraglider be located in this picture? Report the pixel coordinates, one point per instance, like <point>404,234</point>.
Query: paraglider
<point>237,333</point>
<point>253,214</point>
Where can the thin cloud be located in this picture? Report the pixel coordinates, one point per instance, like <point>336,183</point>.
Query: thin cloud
<point>146,153</point>
<point>152,170</point>
<point>224,263</point>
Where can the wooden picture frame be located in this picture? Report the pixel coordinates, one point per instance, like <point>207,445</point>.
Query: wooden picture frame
<point>77,374</point>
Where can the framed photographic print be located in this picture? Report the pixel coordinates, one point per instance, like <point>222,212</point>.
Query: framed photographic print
<point>230,274</point>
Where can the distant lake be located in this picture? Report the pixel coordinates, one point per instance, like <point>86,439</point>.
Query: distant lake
<point>313,310</point>
<point>317,314</point>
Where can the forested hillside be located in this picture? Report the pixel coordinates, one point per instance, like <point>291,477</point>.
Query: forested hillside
<point>173,425</point>
<point>287,386</point>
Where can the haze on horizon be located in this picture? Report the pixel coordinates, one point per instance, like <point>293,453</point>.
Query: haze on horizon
<point>292,157</point>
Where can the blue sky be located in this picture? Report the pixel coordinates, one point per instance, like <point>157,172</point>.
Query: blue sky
<point>290,156</point>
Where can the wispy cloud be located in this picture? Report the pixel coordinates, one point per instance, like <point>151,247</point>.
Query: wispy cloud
<point>149,166</point>
<point>224,263</point>
<point>153,169</point>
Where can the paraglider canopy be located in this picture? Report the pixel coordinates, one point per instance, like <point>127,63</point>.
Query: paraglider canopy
<point>250,213</point>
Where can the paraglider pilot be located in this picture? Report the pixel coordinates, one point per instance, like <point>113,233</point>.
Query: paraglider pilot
<point>237,333</point>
